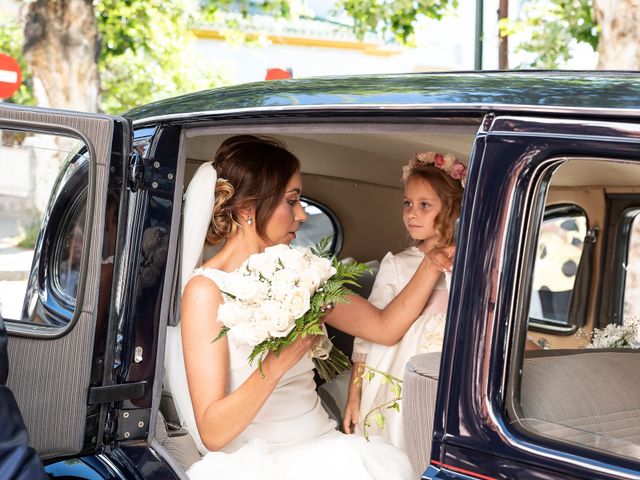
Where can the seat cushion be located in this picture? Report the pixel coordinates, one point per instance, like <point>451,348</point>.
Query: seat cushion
<point>181,447</point>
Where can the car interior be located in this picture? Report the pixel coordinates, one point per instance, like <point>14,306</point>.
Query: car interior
<point>352,171</point>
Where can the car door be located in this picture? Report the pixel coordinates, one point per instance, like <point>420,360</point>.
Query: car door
<point>60,320</point>
<point>504,411</point>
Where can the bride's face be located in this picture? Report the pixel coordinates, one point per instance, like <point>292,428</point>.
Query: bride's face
<point>288,215</point>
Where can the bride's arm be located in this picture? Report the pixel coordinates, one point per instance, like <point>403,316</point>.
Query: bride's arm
<point>388,326</point>
<point>222,416</point>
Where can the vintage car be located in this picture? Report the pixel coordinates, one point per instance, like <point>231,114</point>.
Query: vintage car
<point>548,249</point>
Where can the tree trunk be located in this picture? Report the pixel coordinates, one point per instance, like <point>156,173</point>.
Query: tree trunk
<point>503,41</point>
<point>619,44</point>
<point>61,45</point>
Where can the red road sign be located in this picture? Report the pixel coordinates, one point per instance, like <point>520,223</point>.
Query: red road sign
<point>10,76</point>
<point>278,74</point>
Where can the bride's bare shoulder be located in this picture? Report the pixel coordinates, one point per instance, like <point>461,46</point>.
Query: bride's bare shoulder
<point>201,288</point>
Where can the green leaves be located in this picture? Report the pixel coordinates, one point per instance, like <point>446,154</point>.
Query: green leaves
<point>550,29</point>
<point>397,17</point>
<point>365,372</point>
<point>147,53</point>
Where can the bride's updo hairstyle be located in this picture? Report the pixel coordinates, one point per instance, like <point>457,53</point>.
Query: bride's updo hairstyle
<point>252,172</point>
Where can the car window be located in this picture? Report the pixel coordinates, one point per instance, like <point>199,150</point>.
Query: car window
<point>558,254</point>
<point>67,255</point>
<point>29,166</point>
<point>321,223</point>
<point>587,393</point>
<point>631,302</point>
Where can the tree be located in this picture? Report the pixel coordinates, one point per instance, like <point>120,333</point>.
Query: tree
<point>397,17</point>
<point>145,53</point>
<point>619,46</point>
<point>550,28</point>
<point>61,43</point>
<point>118,53</point>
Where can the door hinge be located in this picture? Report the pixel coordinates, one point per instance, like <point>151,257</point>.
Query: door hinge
<point>136,172</point>
<point>117,393</point>
<point>133,424</point>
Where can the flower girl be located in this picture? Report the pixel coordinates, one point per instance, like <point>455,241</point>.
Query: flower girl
<point>433,187</point>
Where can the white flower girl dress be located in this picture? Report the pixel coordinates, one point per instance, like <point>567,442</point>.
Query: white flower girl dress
<point>425,335</point>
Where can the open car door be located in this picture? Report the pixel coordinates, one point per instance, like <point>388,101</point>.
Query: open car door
<point>57,310</point>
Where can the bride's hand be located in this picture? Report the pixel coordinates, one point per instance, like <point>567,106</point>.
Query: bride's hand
<point>291,354</point>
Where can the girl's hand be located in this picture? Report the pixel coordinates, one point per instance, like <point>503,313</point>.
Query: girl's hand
<point>351,414</point>
<point>442,257</point>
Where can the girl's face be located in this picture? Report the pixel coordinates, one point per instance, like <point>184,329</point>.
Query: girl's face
<point>421,205</point>
<point>288,215</point>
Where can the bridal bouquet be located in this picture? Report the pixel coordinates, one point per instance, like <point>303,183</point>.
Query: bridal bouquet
<point>282,293</point>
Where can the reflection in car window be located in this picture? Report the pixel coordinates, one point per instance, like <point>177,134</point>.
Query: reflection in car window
<point>557,257</point>
<point>29,165</point>
<point>68,255</point>
<point>320,223</point>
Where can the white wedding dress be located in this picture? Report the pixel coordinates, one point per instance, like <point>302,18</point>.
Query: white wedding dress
<point>292,437</point>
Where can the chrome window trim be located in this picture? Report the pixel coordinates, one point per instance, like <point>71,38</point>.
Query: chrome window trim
<point>392,107</point>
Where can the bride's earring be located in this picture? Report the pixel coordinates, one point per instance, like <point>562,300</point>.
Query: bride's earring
<point>249,221</point>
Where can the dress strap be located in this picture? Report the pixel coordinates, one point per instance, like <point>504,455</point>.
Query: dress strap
<point>216,276</point>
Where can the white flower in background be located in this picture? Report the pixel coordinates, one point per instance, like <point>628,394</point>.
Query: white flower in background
<point>617,336</point>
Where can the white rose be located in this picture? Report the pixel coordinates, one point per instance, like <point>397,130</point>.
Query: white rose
<point>244,287</point>
<point>323,267</point>
<point>248,333</point>
<point>279,320</point>
<point>262,263</point>
<point>298,302</point>
<point>282,282</point>
<point>310,281</point>
<point>232,313</point>
<point>290,258</point>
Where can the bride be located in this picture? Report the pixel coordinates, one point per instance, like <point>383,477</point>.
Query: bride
<point>268,425</point>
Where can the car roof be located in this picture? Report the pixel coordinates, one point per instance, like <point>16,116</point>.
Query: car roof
<point>552,91</point>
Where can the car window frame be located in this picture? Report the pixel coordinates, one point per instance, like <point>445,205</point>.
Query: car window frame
<point>552,212</point>
<point>337,238</point>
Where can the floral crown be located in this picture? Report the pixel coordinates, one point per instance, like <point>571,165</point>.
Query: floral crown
<point>445,162</point>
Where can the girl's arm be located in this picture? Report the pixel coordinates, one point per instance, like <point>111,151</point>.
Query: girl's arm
<point>351,415</point>
<point>222,416</point>
<point>387,326</point>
